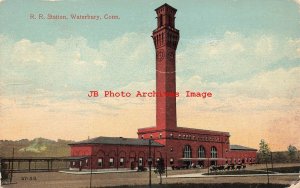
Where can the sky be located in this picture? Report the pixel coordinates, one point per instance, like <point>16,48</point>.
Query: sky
<point>247,53</point>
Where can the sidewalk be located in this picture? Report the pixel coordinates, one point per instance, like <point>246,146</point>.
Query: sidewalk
<point>95,171</point>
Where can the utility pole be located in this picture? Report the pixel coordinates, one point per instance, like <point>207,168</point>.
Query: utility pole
<point>266,158</point>
<point>12,165</point>
<point>267,171</point>
<point>91,174</point>
<point>149,163</point>
<point>166,165</point>
<point>208,166</point>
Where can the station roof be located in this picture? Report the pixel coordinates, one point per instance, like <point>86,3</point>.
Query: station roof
<point>238,147</point>
<point>117,141</point>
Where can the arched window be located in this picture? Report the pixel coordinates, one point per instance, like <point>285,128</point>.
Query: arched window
<point>201,152</point>
<point>160,21</point>
<point>213,152</point>
<point>187,152</point>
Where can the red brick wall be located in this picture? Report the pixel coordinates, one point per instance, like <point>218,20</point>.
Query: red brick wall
<point>83,150</point>
<point>240,156</point>
<point>130,154</point>
<point>174,149</point>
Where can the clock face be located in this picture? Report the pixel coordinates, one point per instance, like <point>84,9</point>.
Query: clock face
<point>160,55</point>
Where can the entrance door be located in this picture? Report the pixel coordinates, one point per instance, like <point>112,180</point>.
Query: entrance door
<point>132,163</point>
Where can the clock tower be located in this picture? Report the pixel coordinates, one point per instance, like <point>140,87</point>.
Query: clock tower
<point>165,38</point>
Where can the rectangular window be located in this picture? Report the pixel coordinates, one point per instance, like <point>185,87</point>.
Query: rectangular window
<point>121,162</point>
<point>100,163</point>
<point>87,162</point>
<point>111,162</point>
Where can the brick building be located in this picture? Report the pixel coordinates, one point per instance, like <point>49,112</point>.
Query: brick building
<point>177,145</point>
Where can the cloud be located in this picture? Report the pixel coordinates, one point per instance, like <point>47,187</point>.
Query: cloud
<point>251,77</point>
<point>25,51</point>
<point>71,49</point>
<point>67,62</point>
<point>235,56</point>
<point>72,62</point>
<point>275,90</point>
<point>280,82</point>
<point>114,63</point>
<point>277,83</point>
<point>131,58</point>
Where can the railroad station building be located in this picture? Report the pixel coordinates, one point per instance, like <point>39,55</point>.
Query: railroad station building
<point>178,146</point>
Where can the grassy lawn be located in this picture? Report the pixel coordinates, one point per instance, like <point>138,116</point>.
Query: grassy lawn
<point>293,169</point>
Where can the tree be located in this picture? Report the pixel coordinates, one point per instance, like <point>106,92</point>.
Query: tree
<point>265,151</point>
<point>160,168</point>
<point>292,151</point>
